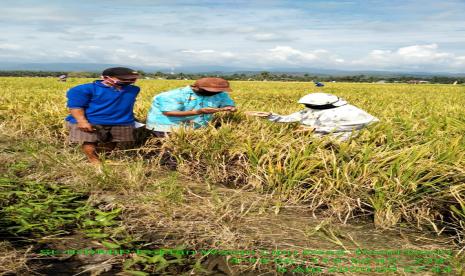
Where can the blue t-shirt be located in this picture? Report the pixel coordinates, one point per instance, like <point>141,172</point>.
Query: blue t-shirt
<point>183,99</point>
<point>103,105</point>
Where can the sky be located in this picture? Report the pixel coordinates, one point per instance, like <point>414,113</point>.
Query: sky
<point>395,35</point>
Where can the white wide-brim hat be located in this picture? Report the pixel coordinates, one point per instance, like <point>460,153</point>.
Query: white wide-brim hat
<point>322,99</point>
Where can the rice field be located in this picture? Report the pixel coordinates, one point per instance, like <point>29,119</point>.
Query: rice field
<point>405,172</point>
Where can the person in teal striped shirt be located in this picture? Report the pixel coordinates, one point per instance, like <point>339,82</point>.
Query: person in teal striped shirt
<point>193,105</point>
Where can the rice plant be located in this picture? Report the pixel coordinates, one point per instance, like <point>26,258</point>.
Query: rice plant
<point>407,169</point>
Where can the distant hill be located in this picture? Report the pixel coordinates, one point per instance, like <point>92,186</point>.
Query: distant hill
<point>220,70</point>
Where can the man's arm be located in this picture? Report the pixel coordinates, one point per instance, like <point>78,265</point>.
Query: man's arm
<point>181,113</point>
<point>171,105</point>
<point>291,118</point>
<point>206,110</point>
<point>78,100</point>
<point>229,108</point>
<point>227,104</point>
<point>82,123</point>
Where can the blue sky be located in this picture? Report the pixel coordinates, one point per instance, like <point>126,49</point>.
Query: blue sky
<point>350,35</point>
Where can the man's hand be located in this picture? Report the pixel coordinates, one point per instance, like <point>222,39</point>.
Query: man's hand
<point>257,113</point>
<point>208,110</point>
<point>85,126</point>
<point>303,128</point>
<point>229,109</point>
<point>82,123</point>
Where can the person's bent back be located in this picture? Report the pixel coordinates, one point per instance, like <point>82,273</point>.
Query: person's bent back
<point>192,106</point>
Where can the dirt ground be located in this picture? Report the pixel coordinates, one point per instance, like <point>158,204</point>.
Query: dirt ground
<point>222,218</point>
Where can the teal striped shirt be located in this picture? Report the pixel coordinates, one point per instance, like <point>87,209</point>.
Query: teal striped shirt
<point>183,99</point>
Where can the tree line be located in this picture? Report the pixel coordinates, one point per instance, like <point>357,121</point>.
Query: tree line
<point>251,76</point>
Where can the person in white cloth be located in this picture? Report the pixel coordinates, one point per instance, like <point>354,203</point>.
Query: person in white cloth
<point>324,114</point>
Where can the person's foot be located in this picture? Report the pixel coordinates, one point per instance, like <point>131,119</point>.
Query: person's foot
<point>97,164</point>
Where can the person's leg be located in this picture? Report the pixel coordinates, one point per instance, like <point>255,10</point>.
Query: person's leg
<point>87,140</point>
<point>166,158</point>
<point>123,136</point>
<point>106,147</point>
<point>89,149</point>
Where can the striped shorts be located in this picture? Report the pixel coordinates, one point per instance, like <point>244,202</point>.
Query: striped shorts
<point>118,134</point>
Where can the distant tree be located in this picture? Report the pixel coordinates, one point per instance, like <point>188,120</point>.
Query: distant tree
<point>246,77</point>
<point>83,75</point>
<point>264,76</point>
<point>142,73</point>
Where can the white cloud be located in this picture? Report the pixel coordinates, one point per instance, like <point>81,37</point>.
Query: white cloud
<point>209,53</point>
<point>411,57</point>
<point>91,47</point>
<point>244,29</point>
<point>286,55</point>
<point>121,51</point>
<point>198,51</point>
<point>132,57</point>
<point>249,34</point>
<point>289,54</point>
<point>8,46</point>
<point>425,57</point>
<point>281,55</point>
<point>268,37</point>
<point>34,13</point>
<point>459,62</point>
<point>71,54</point>
<point>422,52</point>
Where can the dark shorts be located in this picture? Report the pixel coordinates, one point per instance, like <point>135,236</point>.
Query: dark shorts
<point>118,134</point>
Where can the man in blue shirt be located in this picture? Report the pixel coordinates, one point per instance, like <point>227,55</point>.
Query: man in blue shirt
<point>102,111</point>
<point>192,105</point>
